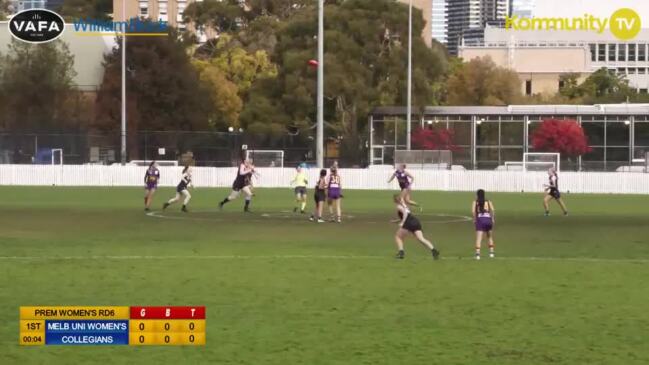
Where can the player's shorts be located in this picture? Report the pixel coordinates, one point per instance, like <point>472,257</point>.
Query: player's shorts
<point>151,186</point>
<point>555,193</point>
<point>334,193</point>
<point>319,196</point>
<point>300,190</point>
<point>404,186</point>
<point>484,224</point>
<point>412,224</point>
<point>238,186</point>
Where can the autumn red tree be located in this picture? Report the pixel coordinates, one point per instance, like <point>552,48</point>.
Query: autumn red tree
<point>433,139</point>
<point>564,136</point>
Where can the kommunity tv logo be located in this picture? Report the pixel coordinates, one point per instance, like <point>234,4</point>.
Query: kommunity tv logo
<point>624,24</point>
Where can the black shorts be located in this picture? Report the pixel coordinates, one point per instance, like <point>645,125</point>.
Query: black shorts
<point>412,225</point>
<point>555,193</point>
<point>301,190</point>
<point>319,196</point>
<point>239,187</point>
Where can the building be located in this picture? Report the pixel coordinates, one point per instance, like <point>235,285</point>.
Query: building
<point>488,137</point>
<point>439,21</point>
<point>426,6</point>
<point>469,18</point>
<point>541,57</point>
<point>522,8</point>
<point>88,53</point>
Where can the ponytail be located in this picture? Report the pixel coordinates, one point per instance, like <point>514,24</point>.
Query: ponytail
<point>185,169</point>
<point>481,201</point>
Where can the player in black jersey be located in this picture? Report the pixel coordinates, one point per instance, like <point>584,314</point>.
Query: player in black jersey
<point>242,183</point>
<point>408,223</point>
<point>182,190</point>
<point>320,196</point>
<point>552,192</point>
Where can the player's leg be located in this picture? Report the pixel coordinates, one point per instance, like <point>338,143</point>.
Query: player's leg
<point>171,201</point>
<point>338,211</point>
<point>546,205</point>
<point>420,237</point>
<point>492,246</point>
<point>298,200</point>
<point>331,209</point>
<point>398,239</point>
<point>407,197</point>
<point>303,201</point>
<point>478,243</point>
<point>233,195</point>
<point>562,205</point>
<point>188,197</point>
<point>248,194</point>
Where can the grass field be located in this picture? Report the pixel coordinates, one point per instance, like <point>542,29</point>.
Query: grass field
<point>281,290</point>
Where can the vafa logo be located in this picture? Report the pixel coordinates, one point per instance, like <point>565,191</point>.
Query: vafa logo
<point>36,26</point>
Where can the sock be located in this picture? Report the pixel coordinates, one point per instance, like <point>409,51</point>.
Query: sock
<point>477,251</point>
<point>303,205</point>
<point>226,200</point>
<point>247,203</point>
<point>491,248</point>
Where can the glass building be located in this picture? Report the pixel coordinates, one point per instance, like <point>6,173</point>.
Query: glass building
<point>487,137</point>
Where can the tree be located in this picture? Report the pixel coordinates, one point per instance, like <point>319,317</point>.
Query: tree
<point>563,136</point>
<point>438,138</point>
<point>4,9</point>
<point>89,9</point>
<point>365,60</point>
<point>481,82</point>
<point>226,104</point>
<point>164,89</point>
<point>37,86</point>
<point>222,16</point>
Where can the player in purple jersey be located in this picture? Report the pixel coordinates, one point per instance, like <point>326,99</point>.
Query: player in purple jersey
<point>151,179</point>
<point>552,192</point>
<point>334,194</point>
<point>484,217</point>
<point>405,180</point>
<point>408,223</point>
<point>182,190</point>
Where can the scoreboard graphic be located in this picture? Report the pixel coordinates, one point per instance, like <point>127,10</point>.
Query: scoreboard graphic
<point>96,325</point>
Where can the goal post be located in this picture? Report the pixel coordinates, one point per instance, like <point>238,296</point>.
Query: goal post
<point>57,156</point>
<point>266,158</point>
<point>541,161</point>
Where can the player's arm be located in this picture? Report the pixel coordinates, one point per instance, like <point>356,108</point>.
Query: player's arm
<point>473,212</point>
<point>493,211</point>
<point>405,214</point>
<point>391,178</point>
<point>412,178</point>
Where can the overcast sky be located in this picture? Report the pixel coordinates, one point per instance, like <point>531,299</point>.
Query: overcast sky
<point>600,8</point>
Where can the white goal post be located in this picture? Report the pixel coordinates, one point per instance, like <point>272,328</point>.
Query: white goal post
<point>57,152</point>
<point>541,161</point>
<point>266,158</point>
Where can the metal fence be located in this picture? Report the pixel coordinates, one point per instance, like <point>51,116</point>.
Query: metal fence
<point>200,148</point>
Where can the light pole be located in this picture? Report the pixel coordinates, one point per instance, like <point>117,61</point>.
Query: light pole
<point>123,134</point>
<point>320,102</point>
<point>409,107</point>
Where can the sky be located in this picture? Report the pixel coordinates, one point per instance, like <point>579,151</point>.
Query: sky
<point>599,8</point>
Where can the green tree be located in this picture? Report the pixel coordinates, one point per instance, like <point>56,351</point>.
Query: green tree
<point>37,86</point>
<point>226,104</point>
<point>481,82</point>
<point>4,9</point>
<point>365,63</point>
<point>163,89</point>
<point>93,9</point>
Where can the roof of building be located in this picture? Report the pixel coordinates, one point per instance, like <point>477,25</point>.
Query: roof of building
<point>609,109</point>
<point>88,52</point>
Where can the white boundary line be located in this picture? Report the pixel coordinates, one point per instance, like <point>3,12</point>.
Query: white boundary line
<point>314,257</point>
<point>284,215</point>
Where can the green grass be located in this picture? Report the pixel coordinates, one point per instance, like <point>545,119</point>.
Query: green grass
<point>564,290</point>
